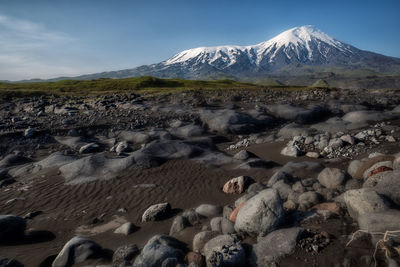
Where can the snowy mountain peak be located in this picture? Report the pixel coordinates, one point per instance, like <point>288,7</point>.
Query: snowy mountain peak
<point>302,35</point>
<point>305,42</point>
<point>299,44</point>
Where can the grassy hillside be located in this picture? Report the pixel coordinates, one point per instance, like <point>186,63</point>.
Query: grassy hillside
<point>104,86</point>
<point>320,84</point>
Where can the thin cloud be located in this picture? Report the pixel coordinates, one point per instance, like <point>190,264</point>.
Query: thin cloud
<point>28,49</point>
<point>18,24</point>
<point>30,30</point>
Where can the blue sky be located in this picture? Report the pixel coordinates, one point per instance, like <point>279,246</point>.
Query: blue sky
<point>55,38</point>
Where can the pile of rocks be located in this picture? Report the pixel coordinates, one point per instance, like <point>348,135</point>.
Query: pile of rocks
<point>339,144</point>
<point>263,210</point>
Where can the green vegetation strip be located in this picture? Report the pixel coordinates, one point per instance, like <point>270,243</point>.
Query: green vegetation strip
<point>140,85</point>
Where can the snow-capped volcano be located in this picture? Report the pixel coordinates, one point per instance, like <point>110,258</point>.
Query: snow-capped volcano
<point>306,42</point>
<point>300,44</point>
<point>300,51</point>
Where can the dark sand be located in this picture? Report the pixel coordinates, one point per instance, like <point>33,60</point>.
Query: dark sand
<point>183,183</point>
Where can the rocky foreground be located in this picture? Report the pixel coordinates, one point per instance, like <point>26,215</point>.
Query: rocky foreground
<point>212,178</point>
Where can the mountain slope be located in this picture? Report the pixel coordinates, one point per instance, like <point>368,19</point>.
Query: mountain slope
<point>304,44</point>
<point>298,46</point>
<point>302,51</point>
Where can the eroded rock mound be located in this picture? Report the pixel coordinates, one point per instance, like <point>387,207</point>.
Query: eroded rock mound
<point>77,250</point>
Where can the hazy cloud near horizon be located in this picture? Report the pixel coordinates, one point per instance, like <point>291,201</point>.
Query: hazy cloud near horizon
<point>28,50</point>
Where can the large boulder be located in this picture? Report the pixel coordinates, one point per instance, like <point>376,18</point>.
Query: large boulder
<point>353,167</point>
<point>54,160</point>
<point>379,167</point>
<point>256,187</point>
<point>12,228</point>
<point>382,221</point>
<point>156,212</point>
<point>371,161</point>
<point>228,121</point>
<point>195,259</point>
<point>338,107</point>
<point>224,250</point>
<point>348,139</point>
<point>236,185</point>
<point>291,150</point>
<point>201,238</point>
<point>78,249</point>
<point>134,137</point>
<point>365,200</point>
<point>284,189</point>
<point>332,177</point>
<point>389,186</point>
<point>280,176</point>
<point>300,169</point>
<point>187,131</point>
<point>353,184</point>
<point>243,155</point>
<point>93,168</point>
<point>245,197</point>
<point>126,229</point>
<point>297,114</point>
<point>170,149</point>
<point>291,169</point>
<point>192,217</point>
<point>308,199</point>
<point>179,223</point>
<point>274,246</point>
<point>222,225</point>
<point>158,250</point>
<point>365,116</point>
<point>208,210</point>
<point>88,148</point>
<point>293,129</point>
<point>260,214</point>
<point>125,253</point>
<point>336,143</point>
<point>332,125</point>
<point>120,147</point>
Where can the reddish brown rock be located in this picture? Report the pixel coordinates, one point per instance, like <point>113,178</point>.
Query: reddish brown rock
<point>379,170</point>
<point>330,206</point>
<point>235,185</point>
<point>369,163</point>
<point>197,258</point>
<point>234,213</point>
